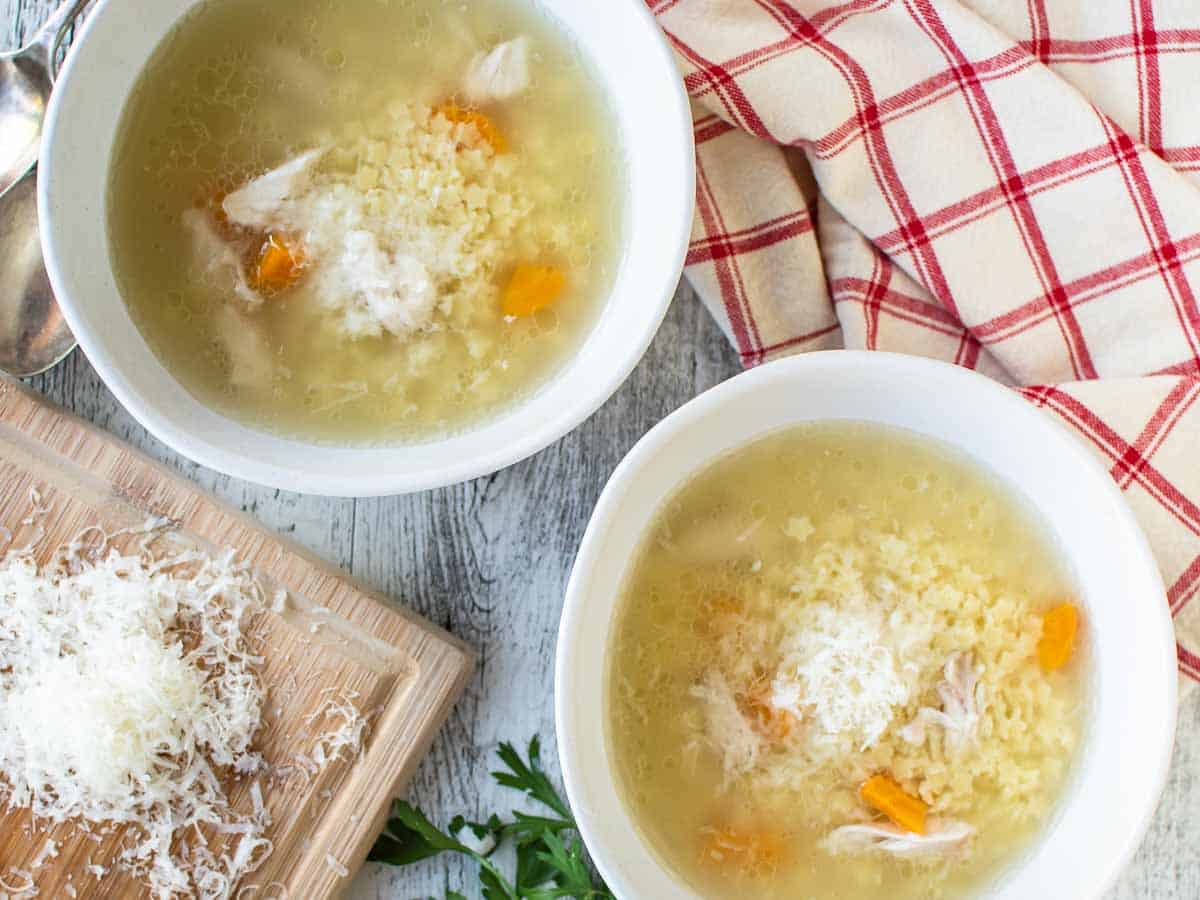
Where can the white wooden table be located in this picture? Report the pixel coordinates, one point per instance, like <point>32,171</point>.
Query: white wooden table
<point>489,561</point>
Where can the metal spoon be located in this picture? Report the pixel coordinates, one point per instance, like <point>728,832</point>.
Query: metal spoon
<point>33,334</point>
<point>25,80</point>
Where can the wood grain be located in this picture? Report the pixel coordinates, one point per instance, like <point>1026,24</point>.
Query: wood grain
<point>334,640</point>
<point>488,560</point>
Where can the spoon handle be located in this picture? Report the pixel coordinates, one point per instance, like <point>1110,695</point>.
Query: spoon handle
<point>48,38</point>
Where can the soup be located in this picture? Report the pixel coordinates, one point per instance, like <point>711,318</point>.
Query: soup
<point>845,665</point>
<point>365,220</point>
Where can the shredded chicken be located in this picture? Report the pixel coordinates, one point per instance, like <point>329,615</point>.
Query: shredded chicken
<point>727,730</point>
<point>959,715</point>
<point>252,363</point>
<point>499,74</point>
<point>217,258</point>
<point>260,202</point>
<point>941,837</point>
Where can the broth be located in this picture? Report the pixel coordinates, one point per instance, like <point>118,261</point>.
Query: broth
<point>242,86</point>
<point>791,611</point>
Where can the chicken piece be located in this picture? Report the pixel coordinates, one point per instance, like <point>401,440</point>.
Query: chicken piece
<point>941,837</point>
<point>251,362</point>
<point>726,730</point>
<point>959,715</point>
<point>260,203</point>
<point>499,74</point>
<point>217,259</point>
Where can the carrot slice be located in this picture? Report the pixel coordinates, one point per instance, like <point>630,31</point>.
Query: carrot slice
<point>754,852</point>
<point>905,810</point>
<point>1059,627</point>
<point>531,288</point>
<point>768,720</point>
<point>487,129</point>
<point>280,262</point>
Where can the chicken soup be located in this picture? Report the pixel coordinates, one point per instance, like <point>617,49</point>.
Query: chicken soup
<point>365,220</point>
<point>847,664</point>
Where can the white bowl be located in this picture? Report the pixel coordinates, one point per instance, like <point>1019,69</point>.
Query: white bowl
<point>635,68</point>
<point>1126,752</point>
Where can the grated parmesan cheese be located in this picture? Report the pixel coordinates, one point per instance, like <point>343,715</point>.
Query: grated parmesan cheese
<point>23,888</point>
<point>839,671</point>
<point>335,864</point>
<point>344,739</point>
<point>49,851</point>
<point>126,691</point>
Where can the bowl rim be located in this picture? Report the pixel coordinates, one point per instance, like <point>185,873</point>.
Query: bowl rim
<point>796,369</point>
<point>533,434</point>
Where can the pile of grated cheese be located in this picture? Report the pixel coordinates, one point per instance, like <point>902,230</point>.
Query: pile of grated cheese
<point>128,693</point>
<point>840,672</point>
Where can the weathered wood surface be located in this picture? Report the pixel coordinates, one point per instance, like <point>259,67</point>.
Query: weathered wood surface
<point>489,560</point>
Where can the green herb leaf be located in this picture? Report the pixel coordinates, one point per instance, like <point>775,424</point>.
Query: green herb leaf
<point>529,777</point>
<point>549,865</point>
<point>494,887</point>
<point>408,838</point>
<point>533,874</point>
<point>572,871</point>
<point>526,825</point>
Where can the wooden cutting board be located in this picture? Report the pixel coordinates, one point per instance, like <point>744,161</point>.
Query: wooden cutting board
<point>334,638</point>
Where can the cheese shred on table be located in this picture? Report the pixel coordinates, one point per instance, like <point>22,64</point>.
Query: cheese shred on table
<point>128,696</point>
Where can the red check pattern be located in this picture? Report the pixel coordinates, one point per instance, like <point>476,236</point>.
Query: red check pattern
<point>1012,187</point>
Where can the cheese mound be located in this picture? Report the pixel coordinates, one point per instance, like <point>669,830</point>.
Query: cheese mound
<point>127,693</point>
<point>403,217</point>
<point>839,671</point>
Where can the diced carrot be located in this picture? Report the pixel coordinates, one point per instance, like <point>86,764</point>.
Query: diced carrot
<point>1059,627</point>
<point>487,129</point>
<point>752,851</point>
<point>768,720</point>
<point>531,288</point>
<point>882,793</point>
<point>280,262</point>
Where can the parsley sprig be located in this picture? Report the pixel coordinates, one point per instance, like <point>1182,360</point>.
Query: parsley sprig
<point>549,854</point>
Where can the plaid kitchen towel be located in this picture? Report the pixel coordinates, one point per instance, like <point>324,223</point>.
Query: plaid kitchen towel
<point>1010,185</point>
